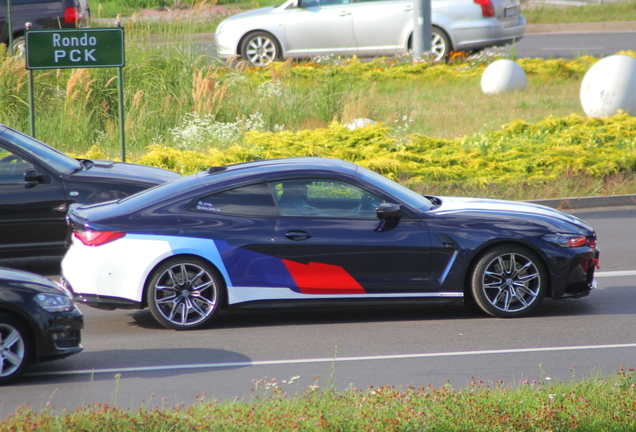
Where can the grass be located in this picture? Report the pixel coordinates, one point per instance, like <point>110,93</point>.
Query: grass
<point>555,14</point>
<point>598,403</point>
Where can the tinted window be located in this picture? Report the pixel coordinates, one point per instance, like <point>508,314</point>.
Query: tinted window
<point>254,200</point>
<point>12,167</point>
<point>21,2</point>
<point>324,198</point>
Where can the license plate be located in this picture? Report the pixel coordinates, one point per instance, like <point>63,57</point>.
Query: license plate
<point>510,12</point>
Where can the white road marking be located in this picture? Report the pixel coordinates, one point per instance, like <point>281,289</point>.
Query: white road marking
<point>330,360</point>
<point>615,273</point>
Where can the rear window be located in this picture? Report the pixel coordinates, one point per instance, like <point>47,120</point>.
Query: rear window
<point>23,2</point>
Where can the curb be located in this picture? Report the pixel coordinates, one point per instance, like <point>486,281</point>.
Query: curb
<point>588,202</point>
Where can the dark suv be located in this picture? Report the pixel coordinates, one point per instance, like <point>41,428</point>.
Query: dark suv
<point>43,14</point>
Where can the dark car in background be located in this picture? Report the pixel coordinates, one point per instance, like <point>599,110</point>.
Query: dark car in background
<point>38,182</point>
<point>42,14</point>
<point>38,322</point>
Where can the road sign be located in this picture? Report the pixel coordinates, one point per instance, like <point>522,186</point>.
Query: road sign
<point>75,48</point>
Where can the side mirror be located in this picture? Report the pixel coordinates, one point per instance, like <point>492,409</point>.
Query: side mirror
<point>33,176</point>
<point>388,211</point>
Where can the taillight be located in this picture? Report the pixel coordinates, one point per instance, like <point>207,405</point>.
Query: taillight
<point>97,238</point>
<point>487,8</point>
<point>72,15</point>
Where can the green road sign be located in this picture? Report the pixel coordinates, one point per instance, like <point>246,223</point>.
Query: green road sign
<point>75,48</point>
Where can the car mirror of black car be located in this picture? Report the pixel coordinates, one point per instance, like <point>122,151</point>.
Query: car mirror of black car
<point>388,211</point>
<point>33,176</point>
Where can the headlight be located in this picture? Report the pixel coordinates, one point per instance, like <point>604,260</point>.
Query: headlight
<point>54,302</point>
<point>566,240</point>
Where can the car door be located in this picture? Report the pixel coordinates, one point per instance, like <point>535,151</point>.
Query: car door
<point>320,27</point>
<point>384,26</point>
<point>240,222</point>
<point>335,244</point>
<point>32,213</point>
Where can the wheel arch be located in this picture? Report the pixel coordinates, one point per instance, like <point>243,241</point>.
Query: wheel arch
<point>484,249</point>
<point>149,276</point>
<point>276,38</point>
<point>30,327</point>
<point>409,40</point>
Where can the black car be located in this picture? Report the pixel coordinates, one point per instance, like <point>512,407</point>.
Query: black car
<point>38,322</point>
<point>38,182</point>
<point>42,14</point>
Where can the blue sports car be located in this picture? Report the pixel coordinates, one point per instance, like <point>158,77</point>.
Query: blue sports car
<point>311,231</point>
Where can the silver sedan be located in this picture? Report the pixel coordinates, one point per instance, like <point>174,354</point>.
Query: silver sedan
<point>366,28</point>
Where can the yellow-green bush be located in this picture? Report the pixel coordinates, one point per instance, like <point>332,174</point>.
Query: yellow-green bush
<point>518,153</point>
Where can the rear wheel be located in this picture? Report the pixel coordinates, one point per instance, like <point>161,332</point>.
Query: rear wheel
<point>440,45</point>
<point>509,281</point>
<point>184,293</point>
<point>14,348</point>
<point>260,48</point>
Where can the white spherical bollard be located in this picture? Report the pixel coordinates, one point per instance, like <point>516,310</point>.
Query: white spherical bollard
<point>359,123</point>
<point>609,86</point>
<point>503,76</point>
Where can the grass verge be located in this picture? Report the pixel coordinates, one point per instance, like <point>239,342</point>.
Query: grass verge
<point>589,404</point>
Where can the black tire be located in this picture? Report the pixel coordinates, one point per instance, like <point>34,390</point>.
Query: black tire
<point>440,44</point>
<point>508,291</point>
<point>185,293</point>
<point>15,349</point>
<point>260,48</point>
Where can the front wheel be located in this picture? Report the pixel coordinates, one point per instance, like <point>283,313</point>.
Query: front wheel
<point>509,281</point>
<point>184,293</point>
<point>14,349</point>
<point>260,49</point>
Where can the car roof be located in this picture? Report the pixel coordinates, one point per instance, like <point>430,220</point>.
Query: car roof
<point>288,164</point>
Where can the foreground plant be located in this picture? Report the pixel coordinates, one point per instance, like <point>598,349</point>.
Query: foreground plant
<point>589,404</point>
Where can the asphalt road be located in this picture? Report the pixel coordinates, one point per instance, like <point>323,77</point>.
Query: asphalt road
<point>131,361</point>
<point>567,45</point>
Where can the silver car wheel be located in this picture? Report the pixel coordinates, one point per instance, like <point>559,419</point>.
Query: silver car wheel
<point>13,350</point>
<point>184,294</point>
<point>260,49</point>
<point>439,44</point>
<point>509,282</point>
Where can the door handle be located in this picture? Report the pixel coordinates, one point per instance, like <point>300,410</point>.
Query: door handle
<point>343,13</point>
<point>298,235</point>
<point>408,9</point>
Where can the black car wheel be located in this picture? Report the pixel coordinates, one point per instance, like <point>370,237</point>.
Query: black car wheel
<point>260,48</point>
<point>509,281</point>
<point>14,348</point>
<point>184,293</point>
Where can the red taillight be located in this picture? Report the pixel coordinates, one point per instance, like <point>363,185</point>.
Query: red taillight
<point>592,244</point>
<point>97,238</point>
<point>487,8</point>
<point>72,15</point>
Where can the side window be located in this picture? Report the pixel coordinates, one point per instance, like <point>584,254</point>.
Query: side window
<point>254,200</point>
<point>324,198</point>
<point>316,3</point>
<point>12,167</point>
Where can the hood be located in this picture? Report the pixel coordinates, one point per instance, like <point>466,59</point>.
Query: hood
<point>126,171</point>
<point>252,13</point>
<point>452,205</point>
<point>27,279</point>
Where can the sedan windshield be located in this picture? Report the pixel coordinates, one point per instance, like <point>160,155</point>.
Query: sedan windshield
<point>42,152</point>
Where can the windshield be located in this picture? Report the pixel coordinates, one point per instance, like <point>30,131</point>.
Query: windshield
<point>402,193</point>
<point>42,152</point>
